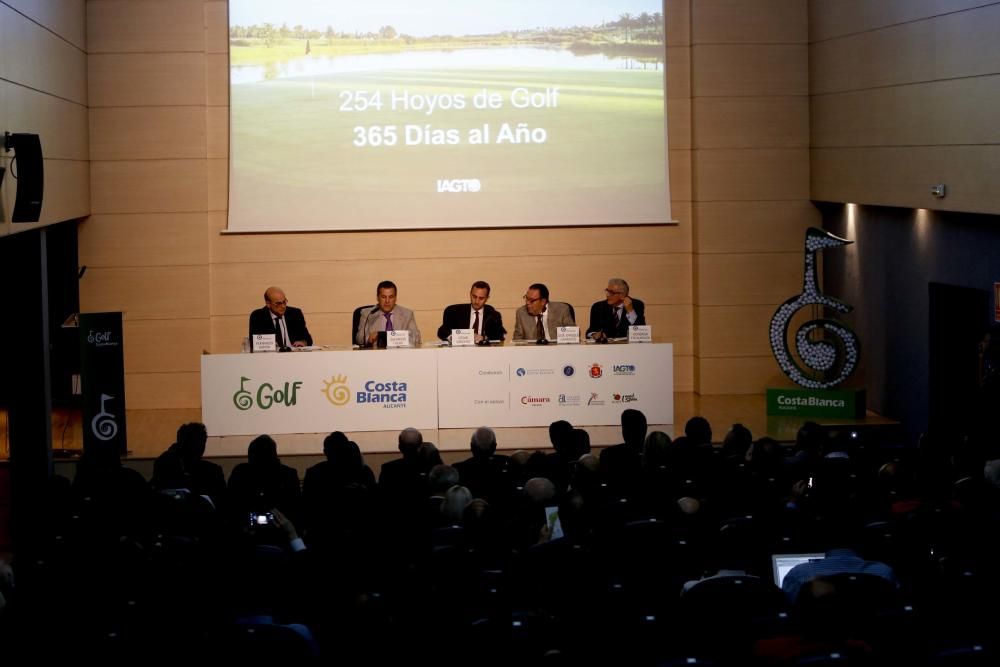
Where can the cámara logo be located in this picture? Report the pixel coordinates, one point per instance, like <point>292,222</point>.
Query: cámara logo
<point>535,400</point>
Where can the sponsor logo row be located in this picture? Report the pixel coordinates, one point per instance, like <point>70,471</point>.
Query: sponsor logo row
<point>594,370</point>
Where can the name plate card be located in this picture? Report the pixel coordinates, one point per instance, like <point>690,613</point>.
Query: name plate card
<point>463,338</point>
<point>397,338</point>
<point>263,343</point>
<point>640,333</point>
<point>568,335</point>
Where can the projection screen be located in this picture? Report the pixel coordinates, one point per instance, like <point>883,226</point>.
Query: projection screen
<point>432,114</point>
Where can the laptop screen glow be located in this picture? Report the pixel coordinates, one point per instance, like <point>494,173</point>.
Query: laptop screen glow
<point>782,563</point>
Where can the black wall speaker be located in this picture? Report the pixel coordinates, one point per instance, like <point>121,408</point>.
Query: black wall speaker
<point>30,173</point>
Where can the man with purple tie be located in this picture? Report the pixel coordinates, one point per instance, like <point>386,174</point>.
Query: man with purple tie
<point>386,315</point>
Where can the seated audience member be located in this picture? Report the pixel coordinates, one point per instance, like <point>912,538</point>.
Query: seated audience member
<point>386,315</point>
<point>441,478</point>
<point>344,465</point>
<point>558,463</point>
<point>620,464</point>
<point>453,506</point>
<point>485,472</point>
<point>263,481</point>
<point>485,321</point>
<point>206,477</point>
<point>612,317</point>
<point>737,442</point>
<point>403,479</point>
<point>841,558</point>
<point>539,319</point>
<point>288,324</point>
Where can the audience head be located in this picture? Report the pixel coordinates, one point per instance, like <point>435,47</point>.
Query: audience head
<point>410,440</point>
<point>263,452</point>
<point>483,442</point>
<point>539,491</point>
<point>561,436</point>
<point>737,441</point>
<point>429,455</point>
<point>332,442</point>
<point>698,431</point>
<point>191,439</point>
<point>633,427</point>
<point>656,450</point>
<point>455,500</point>
<point>441,478</point>
<point>581,443</point>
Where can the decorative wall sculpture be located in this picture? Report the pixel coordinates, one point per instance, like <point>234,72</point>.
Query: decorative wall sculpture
<point>827,350</point>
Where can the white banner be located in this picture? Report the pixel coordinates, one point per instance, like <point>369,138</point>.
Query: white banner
<point>386,390</point>
<point>319,392</point>
<point>586,385</point>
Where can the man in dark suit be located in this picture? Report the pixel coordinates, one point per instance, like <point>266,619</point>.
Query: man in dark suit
<point>484,319</point>
<point>612,317</point>
<point>288,324</point>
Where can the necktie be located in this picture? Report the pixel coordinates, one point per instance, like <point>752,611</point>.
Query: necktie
<point>539,329</point>
<point>475,324</point>
<point>388,322</point>
<point>278,336</point>
<point>618,315</point>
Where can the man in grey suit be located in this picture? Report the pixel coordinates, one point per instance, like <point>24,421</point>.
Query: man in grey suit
<point>387,315</point>
<point>538,319</point>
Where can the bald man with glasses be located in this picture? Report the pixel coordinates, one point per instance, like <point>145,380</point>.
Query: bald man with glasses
<point>287,323</point>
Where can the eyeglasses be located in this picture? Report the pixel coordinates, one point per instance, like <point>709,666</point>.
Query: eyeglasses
<point>529,300</point>
<point>609,292</point>
<point>283,302</point>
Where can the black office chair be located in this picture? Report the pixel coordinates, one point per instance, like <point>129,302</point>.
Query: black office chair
<point>356,318</point>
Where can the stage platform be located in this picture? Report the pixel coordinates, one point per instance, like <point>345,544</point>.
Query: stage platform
<point>152,431</point>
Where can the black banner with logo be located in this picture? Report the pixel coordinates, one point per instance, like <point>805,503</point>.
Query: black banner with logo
<point>102,378</point>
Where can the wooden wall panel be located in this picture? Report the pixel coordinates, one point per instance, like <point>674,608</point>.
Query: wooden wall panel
<point>60,124</point>
<point>143,239</point>
<point>146,79</point>
<point>757,226</point>
<point>66,18</point>
<point>545,242</point>
<point>67,195</point>
<point>734,331</point>
<point>903,175</point>
<point>217,26</point>
<point>934,113</point>
<point>752,279</point>
<point>34,57</point>
<point>145,26</point>
<point>217,175</point>
<point>217,79</point>
<point>739,375</point>
<point>837,18</point>
<point>146,293</point>
<point>145,133</point>
<point>950,46</point>
<point>723,70</point>
<point>751,122</point>
<point>162,391</point>
<point>752,174</point>
<point>757,21</point>
<point>165,346</point>
<point>149,186</point>
<point>217,132</point>
<point>677,21</point>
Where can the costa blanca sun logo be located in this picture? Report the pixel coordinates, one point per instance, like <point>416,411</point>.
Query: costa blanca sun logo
<point>336,390</point>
